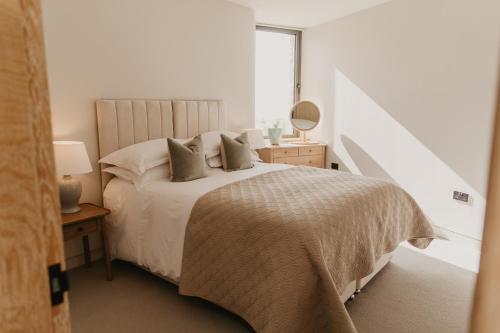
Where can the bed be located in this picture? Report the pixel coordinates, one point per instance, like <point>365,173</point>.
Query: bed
<point>148,227</point>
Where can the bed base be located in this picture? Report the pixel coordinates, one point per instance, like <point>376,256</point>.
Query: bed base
<point>355,286</point>
<point>349,292</point>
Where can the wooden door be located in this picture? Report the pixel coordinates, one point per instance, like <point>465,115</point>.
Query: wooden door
<point>486,310</point>
<point>30,222</point>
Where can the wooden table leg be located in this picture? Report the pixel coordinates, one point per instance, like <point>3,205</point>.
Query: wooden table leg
<point>105,250</point>
<point>86,250</point>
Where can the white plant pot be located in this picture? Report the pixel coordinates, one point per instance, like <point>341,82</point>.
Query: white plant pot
<point>274,135</point>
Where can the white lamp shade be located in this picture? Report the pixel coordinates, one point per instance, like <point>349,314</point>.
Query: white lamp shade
<point>71,158</point>
<point>255,138</point>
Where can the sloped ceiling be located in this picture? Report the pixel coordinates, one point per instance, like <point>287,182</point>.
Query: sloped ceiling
<point>304,13</point>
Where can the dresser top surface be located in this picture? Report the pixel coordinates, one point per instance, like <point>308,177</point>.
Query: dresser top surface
<point>294,145</point>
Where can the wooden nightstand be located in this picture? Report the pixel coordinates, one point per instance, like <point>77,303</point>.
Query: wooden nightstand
<point>294,153</point>
<point>88,220</point>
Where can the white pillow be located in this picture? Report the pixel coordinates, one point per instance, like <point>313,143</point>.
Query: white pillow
<point>156,173</point>
<point>139,157</point>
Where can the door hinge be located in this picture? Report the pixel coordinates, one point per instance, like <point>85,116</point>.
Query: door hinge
<point>58,281</point>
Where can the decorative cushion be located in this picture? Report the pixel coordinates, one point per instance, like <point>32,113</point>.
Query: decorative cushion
<point>187,161</point>
<point>236,153</point>
<point>211,145</point>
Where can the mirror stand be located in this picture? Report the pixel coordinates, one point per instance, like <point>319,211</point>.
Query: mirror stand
<point>303,140</point>
<point>304,116</point>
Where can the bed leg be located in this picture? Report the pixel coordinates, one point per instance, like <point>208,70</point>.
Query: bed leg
<point>353,296</point>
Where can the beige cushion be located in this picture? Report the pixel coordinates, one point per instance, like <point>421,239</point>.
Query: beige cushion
<point>235,153</point>
<point>187,161</point>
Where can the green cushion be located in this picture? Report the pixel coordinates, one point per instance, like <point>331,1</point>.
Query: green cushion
<point>235,153</point>
<point>187,161</point>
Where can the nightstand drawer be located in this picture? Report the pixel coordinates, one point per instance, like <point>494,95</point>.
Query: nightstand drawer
<point>313,150</point>
<point>285,152</point>
<point>79,229</point>
<point>313,160</point>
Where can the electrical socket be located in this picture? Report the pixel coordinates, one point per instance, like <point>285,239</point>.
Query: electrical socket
<point>461,196</point>
<point>335,166</point>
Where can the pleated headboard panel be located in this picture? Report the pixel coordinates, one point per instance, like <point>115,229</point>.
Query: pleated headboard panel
<point>125,122</point>
<point>195,117</point>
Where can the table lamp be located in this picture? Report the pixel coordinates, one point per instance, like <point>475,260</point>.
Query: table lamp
<point>71,159</point>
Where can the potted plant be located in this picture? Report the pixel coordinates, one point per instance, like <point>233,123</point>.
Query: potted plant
<point>274,133</point>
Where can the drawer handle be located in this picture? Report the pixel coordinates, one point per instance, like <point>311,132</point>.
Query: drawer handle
<point>79,229</point>
<point>310,150</point>
<point>285,152</point>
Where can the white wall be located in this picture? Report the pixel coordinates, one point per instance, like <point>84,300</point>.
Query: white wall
<point>407,91</point>
<point>144,49</point>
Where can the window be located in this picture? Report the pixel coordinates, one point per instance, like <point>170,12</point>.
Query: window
<point>277,77</point>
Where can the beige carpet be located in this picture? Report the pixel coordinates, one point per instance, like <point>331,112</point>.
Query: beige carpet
<point>414,293</point>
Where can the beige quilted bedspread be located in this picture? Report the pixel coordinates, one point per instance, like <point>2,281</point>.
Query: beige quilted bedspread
<point>279,248</point>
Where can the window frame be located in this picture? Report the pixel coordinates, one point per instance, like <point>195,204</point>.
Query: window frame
<point>297,64</point>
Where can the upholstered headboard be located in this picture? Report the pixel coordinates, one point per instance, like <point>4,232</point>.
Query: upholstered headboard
<point>124,122</point>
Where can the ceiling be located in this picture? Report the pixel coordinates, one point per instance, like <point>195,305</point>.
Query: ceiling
<point>304,13</point>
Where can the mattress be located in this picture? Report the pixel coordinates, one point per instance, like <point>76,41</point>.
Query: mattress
<point>147,226</point>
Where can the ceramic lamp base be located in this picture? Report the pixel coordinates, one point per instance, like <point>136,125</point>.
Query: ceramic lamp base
<point>70,190</point>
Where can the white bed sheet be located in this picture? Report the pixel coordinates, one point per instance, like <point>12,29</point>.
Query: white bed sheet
<point>147,226</point>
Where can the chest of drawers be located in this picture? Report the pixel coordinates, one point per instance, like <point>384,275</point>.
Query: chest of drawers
<point>295,154</point>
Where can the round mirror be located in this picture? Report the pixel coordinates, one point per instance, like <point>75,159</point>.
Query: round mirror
<point>304,116</point>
